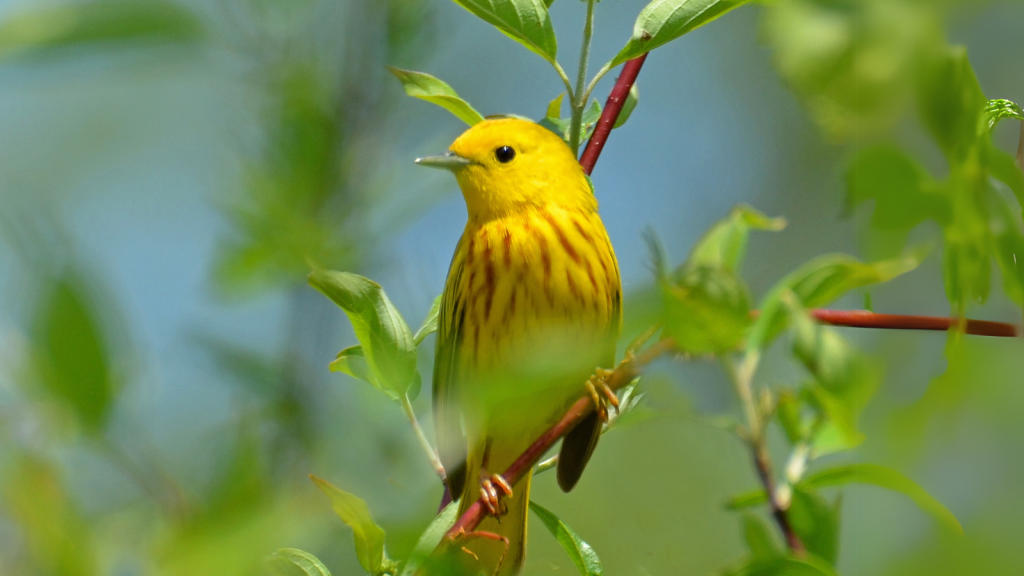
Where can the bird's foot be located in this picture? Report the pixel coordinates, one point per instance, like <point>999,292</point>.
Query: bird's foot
<point>489,488</point>
<point>600,394</point>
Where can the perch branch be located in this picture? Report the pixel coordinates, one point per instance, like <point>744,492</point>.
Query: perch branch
<point>623,375</point>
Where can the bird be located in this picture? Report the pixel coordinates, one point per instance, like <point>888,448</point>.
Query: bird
<point>532,305</point>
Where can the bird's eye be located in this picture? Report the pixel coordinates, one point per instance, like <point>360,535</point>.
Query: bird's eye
<point>505,154</point>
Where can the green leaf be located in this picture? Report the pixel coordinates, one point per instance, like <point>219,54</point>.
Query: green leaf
<point>707,310</point>
<point>73,357</point>
<point>788,411</point>
<point>724,245</point>
<point>351,361</point>
<point>998,110</point>
<point>581,554</point>
<point>1003,167</point>
<point>758,536</point>
<point>747,500</point>
<point>783,566</point>
<point>525,21</point>
<point>903,192</point>
<point>369,537</point>
<point>815,522</point>
<point>309,565</point>
<point>431,537</point>
<point>1009,238</point>
<point>75,24</point>
<point>387,343</point>
<point>889,479</point>
<point>818,283</point>
<point>589,120</point>
<point>853,64</point>
<point>555,107</point>
<point>662,21</point>
<point>632,99</point>
<point>952,103</point>
<point>429,325</point>
<point>426,87</point>
<point>844,380</point>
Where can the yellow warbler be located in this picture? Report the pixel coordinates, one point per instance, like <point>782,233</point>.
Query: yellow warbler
<point>531,306</point>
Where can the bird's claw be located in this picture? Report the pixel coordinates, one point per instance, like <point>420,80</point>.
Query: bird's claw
<point>600,394</point>
<point>489,493</point>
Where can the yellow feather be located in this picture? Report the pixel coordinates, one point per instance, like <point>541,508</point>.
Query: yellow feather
<point>531,306</point>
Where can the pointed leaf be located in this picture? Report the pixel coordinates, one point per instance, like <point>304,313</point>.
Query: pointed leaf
<point>309,565</point>
<point>387,343</point>
<point>351,361</point>
<point>581,554</point>
<point>632,99</point>
<point>665,20</point>
<point>426,87</point>
<point>815,522</point>
<point>431,537</point>
<point>429,325</point>
<point>952,103</point>
<point>555,107</point>
<point>368,536</point>
<point>889,479</point>
<point>73,354</point>
<point>525,21</point>
<point>724,245</point>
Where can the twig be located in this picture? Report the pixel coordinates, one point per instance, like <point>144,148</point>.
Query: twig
<point>742,377</point>
<point>623,375</point>
<point>612,108</point>
<point>579,96</point>
<point>427,448</point>
<point>764,474</point>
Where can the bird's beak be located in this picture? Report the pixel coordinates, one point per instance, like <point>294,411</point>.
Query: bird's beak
<point>448,161</point>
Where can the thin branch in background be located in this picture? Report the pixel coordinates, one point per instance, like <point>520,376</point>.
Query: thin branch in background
<point>435,462</point>
<point>764,473</point>
<point>612,108</point>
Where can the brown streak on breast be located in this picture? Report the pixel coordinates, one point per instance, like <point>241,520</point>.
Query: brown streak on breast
<point>508,248</point>
<point>566,245</point>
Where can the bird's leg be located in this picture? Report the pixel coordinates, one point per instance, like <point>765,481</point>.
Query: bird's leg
<point>600,394</point>
<point>487,536</point>
<point>490,484</point>
<point>489,487</point>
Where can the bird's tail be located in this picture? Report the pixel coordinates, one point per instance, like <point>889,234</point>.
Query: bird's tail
<point>498,545</point>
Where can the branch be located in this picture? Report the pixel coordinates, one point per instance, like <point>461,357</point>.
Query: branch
<point>623,375</point>
<point>865,319</point>
<point>612,108</point>
<point>764,474</point>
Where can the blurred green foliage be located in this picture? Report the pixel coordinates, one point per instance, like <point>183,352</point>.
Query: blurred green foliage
<point>868,72</point>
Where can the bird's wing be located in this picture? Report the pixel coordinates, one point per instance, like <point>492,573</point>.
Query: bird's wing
<point>451,442</point>
<point>579,443</point>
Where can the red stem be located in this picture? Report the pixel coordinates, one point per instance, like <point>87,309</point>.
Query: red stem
<point>612,108</point>
<point>865,319</point>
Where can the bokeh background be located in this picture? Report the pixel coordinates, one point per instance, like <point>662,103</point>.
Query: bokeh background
<point>169,170</point>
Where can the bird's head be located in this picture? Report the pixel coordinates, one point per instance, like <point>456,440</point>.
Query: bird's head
<point>507,166</point>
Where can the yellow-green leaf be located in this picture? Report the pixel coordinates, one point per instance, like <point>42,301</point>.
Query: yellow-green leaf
<point>426,87</point>
<point>665,20</point>
<point>889,479</point>
<point>368,536</point>
<point>525,21</point>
